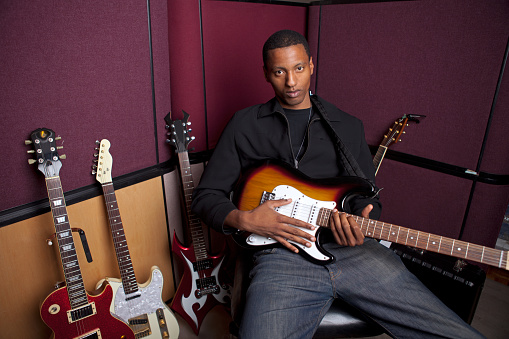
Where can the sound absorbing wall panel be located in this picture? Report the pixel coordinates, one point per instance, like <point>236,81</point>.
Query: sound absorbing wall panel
<point>379,61</point>
<point>219,44</point>
<point>82,69</point>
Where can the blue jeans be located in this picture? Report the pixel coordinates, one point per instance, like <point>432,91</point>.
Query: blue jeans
<point>288,296</point>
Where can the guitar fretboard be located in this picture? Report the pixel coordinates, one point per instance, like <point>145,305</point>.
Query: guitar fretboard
<point>194,222</point>
<point>427,241</point>
<point>72,272</point>
<point>119,240</point>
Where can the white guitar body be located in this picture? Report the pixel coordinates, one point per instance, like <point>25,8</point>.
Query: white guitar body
<point>144,310</point>
<point>303,208</point>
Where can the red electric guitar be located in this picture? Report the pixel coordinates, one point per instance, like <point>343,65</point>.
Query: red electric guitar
<point>70,311</point>
<point>201,287</point>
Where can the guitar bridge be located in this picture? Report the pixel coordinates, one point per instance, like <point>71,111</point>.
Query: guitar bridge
<point>140,326</point>
<point>206,286</point>
<point>267,196</point>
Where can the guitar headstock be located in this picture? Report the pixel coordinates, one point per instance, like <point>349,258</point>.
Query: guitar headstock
<point>45,150</point>
<point>179,132</point>
<point>104,162</point>
<point>398,129</point>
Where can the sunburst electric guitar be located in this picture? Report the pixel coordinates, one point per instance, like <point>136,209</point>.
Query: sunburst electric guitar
<point>70,311</point>
<point>313,201</point>
<point>202,286</point>
<point>393,136</point>
<point>141,306</point>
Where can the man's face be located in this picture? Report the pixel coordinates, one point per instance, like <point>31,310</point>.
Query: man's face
<point>289,71</point>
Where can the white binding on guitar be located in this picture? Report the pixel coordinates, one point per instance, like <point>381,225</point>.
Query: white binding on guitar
<point>139,305</point>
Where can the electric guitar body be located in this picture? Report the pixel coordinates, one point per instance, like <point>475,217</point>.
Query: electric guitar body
<point>202,285</point>
<point>56,312</point>
<point>314,200</point>
<point>200,288</point>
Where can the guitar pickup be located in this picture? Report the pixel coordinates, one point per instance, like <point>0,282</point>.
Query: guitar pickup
<point>81,313</point>
<point>267,196</point>
<point>202,265</point>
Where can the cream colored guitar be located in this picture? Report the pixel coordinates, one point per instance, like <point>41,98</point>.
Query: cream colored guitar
<point>141,306</point>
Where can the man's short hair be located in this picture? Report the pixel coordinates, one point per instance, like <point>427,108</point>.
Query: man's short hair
<point>284,38</point>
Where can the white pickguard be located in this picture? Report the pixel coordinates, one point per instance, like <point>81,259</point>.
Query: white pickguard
<point>148,302</point>
<point>188,302</point>
<point>303,208</point>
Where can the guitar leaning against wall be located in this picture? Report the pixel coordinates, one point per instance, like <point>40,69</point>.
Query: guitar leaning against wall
<point>393,136</point>
<point>201,287</point>
<point>141,306</point>
<point>70,311</point>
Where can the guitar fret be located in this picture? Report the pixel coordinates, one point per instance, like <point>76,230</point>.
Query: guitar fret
<point>128,277</point>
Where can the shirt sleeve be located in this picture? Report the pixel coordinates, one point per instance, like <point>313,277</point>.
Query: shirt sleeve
<point>211,198</point>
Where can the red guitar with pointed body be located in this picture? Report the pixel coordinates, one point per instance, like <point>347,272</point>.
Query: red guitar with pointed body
<point>201,287</point>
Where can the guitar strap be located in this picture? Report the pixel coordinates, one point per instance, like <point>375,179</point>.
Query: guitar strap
<point>345,158</point>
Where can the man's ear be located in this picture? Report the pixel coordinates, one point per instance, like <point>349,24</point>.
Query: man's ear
<point>265,74</point>
<point>311,65</point>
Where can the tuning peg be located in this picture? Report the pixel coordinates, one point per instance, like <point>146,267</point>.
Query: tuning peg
<point>28,142</point>
<point>58,138</point>
<point>31,161</point>
<point>63,156</point>
<point>60,147</point>
<point>96,155</point>
<point>94,166</point>
<point>189,123</point>
<point>189,129</point>
<point>31,151</point>
<point>94,172</point>
<point>97,142</point>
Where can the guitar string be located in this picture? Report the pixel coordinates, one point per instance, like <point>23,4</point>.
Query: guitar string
<point>488,254</point>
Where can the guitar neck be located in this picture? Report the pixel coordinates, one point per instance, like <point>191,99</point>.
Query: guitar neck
<point>72,272</point>
<point>119,240</point>
<point>193,221</point>
<point>426,241</point>
<point>379,156</point>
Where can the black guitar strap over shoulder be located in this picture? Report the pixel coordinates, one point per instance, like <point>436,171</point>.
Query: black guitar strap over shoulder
<point>345,157</point>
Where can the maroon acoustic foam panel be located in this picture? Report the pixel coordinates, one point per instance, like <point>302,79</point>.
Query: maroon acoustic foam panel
<point>83,70</point>
<point>441,59</point>
<point>233,41</point>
